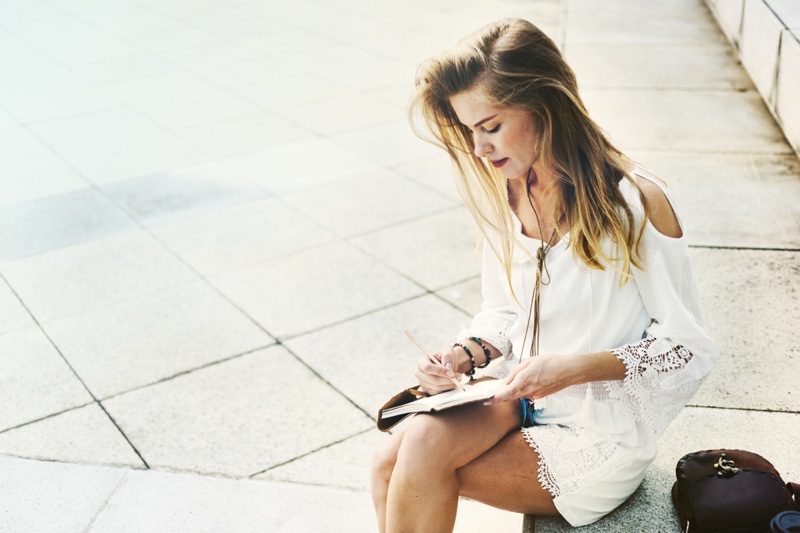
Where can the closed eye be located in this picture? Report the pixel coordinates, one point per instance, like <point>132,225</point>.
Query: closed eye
<point>493,130</point>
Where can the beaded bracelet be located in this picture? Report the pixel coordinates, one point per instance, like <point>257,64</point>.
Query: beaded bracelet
<point>471,371</point>
<point>486,352</point>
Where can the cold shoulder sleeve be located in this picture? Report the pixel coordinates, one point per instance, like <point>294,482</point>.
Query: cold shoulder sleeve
<point>497,313</point>
<point>666,367</point>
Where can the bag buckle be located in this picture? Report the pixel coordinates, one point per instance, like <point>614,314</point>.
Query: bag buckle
<point>725,467</point>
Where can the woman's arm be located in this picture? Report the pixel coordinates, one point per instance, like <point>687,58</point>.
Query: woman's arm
<point>657,375</point>
<point>490,325</point>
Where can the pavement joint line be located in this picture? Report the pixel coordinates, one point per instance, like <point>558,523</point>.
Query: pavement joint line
<point>189,371</point>
<point>75,373</point>
<point>745,248</point>
<point>668,89</point>
<point>331,385</point>
<point>51,415</point>
<point>330,444</point>
<point>422,183</point>
<point>750,409</point>
<point>403,222</point>
<point>49,339</point>
<point>135,450</point>
<point>323,327</point>
<point>103,507</point>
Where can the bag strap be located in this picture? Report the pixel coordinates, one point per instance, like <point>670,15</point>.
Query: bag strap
<point>794,488</point>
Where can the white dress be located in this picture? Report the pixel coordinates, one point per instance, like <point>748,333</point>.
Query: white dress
<point>595,441</point>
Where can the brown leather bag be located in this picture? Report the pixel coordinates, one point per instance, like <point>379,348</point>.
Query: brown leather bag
<point>729,491</point>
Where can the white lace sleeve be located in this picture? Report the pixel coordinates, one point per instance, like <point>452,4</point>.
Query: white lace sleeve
<point>497,314</point>
<point>667,366</point>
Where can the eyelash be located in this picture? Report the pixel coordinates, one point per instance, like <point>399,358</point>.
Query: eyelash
<point>493,130</point>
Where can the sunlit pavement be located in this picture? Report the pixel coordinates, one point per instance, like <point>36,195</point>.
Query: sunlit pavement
<point>215,224</point>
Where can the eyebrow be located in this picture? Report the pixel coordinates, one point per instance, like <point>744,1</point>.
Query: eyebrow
<point>484,120</point>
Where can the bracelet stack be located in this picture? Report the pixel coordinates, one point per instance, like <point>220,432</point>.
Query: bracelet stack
<point>471,371</point>
<point>486,352</point>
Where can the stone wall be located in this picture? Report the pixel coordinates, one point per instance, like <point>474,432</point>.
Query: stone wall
<point>766,34</point>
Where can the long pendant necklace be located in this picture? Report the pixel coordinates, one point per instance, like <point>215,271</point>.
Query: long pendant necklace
<point>541,266</point>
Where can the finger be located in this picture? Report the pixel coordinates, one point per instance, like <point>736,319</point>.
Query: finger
<point>505,394</point>
<point>449,363</point>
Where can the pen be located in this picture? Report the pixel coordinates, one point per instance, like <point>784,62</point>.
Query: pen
<point>432,359</point>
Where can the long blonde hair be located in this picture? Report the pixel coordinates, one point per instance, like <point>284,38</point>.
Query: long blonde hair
<point>514,64</point>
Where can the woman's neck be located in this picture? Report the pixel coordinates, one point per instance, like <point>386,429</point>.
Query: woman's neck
<point>532,196</point>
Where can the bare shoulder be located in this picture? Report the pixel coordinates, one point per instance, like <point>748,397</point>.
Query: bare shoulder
<point>660,210</point>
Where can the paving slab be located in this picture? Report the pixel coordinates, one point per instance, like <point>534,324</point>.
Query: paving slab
<point>13,314</point>
<point>241,236</point>
<point>82,435</point>
<point>18,143</point>
<point>49,223</point>
<point>434,172</point>
<point>143,340</point>
<point>33,369</point>
<point>24,180</point>
<point>296,89</point>
<point>303,291</point>
<point>287,167</point>
<point>175,193</point>
<point>434,251</point>
<point>733,200</point>
<point>31,108</point>
<point>100,272</point>
<point>125,68</point>
<point>50,497</point>
<point>752,305</point>
<point>197,109</point>
<point>695,429</point>
<point>237,418</point>
<point>465,295</point>
<point>345,113</point>
<point>240,135</point>
<point>687,121</point>
<point>388,144</point>
<point>182,502</point>
<point>364,203</point>
<point>381,360</point>
<point>345,464</point>
<point>623,23</point>
<point>116,145</point>
<point>689,66</point>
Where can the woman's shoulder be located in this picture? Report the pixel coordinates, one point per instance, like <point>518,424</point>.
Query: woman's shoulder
<point>659,207</point>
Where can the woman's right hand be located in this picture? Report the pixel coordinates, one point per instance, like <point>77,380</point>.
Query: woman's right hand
<point>435,378</point>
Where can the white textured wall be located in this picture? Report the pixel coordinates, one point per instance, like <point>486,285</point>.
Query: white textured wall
<point>765,33</point>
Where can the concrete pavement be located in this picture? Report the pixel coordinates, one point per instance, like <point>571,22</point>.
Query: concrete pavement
<point>215,223</point>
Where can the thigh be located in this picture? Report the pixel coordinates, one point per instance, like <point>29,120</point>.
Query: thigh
<point>456,437</point>
<point>507,477</point>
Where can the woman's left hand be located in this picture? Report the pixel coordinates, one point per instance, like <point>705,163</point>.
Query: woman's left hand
<point>538,377</point>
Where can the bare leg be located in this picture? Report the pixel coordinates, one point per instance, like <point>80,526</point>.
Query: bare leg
<point>383,461</point>
<point>506,477</point>
<point>503,475</point>
<point>425,483</point>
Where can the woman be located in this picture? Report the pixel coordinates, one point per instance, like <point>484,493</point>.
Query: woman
<point>590,308</point>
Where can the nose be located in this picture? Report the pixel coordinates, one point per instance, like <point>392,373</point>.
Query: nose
<point>482,147</point>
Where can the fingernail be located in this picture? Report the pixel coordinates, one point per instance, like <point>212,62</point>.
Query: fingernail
<point>449,366</point>
<point>487,402</point>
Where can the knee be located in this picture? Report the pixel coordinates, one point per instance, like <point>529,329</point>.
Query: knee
<point>426,443</point>
<point>383,460</point>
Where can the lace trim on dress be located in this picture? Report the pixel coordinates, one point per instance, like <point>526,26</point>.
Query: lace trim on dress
<point>497,337</point>
<point>642,390</point>
<point>561,468</point>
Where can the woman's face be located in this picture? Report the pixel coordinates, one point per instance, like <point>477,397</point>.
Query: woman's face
<point>505,136</point>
